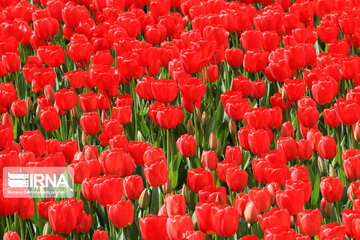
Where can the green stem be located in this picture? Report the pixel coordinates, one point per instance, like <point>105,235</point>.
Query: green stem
<point>71,124</point>
<point>127,234</point>
<point>8,223</point>
<point>21,228</point>
<point>133,87</point>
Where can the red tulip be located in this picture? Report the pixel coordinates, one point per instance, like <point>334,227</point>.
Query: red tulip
<point>331,188</point>
<point>327,147</point>
<point>133,186</point>
<point>199,178</point>
<point>121,214</point>
<point>186,145</point>
<point>209,160</point>
<point>64,215</point>
<point>175,204</point>
<point>292,200</point>
<point>100,235</point>
<point>225,220</point>
<point>108,190</point>
<point>309,222</point>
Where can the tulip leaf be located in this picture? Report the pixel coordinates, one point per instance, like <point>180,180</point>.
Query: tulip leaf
<point>316,191</point>
<point>144,128</point>
<point>174,169</point>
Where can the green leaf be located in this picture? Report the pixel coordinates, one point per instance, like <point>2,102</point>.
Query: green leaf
<point>316,191</point>
<point>174,170</point>
<point>144,128</point>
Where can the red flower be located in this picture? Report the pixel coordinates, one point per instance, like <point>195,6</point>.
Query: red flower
<point>199,178</point>
<point>331,188</point>
<point>65,215</point>
<point>121,213</point>
<point>186,145</point>
<point>153,227</point>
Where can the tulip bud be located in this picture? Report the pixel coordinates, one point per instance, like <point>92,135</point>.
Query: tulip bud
<point>140,137</point>
<point>198,115</point>
<point>272,188</point>
<point>84,139</point>
<point>74,112</point>
<point>325,207</point>
<point>251,212</point>
<point>104,116</point>
<point>47,229</point>
<point>219,198</point>
<point>321,165</point>
<point>185,192</point>
<point>332,171</point>
<point>6,119</point>
<point>29,104</point>
<point>37,114</point>
<point>212,141</point>
<point>144,200</point>
<point>356,131</point>
<point>166,187</point>
<point>67,83</point>
<point>218,147</point>
<point>204,119</point>
<point>190,128</point>
<point>232,127</point>
<point>283,94</point>
<point>49,93</point>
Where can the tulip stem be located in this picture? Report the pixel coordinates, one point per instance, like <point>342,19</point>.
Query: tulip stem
<point>127,234</point>
<point>133,86</point>
<point>168,148</point>
<point>21,228</point>
<point>337,213</point>
<point>8,222</point>
<point>71,124</point>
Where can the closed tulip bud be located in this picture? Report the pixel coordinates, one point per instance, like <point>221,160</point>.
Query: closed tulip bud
<point>49,93</point>
<point>166,187</point>
<point>212,141</point>
<point>190,128</point>
<point>219,198</point>
<point>47,229</point>
<point>198,115</point>
<point>272,188</point>
<point>37,114</point>
<point>283,94</point>
<point>185,192</point>
<point>6,119</point>
<point>251,212</point>
<point>104,116</point>
<point>204,119</point>
<point>84,139</point>
<point>321,165</point>
<point>218,146</point>
<point>356,131</point>
<point>332,171</point>
<point>67,83</point>
<point>29,104</point>
<point>144,200</point>
<point>74,113</point>
<point>325,207</point>
<point>140,137</point>
<point>232,127</point>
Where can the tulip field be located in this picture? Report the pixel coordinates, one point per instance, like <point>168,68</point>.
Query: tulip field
<point>180,119</point>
